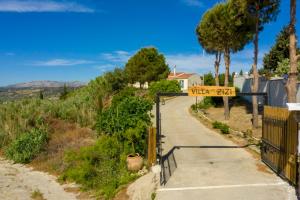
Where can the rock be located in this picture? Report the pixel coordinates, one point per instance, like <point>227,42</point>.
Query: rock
<point>144,187</point>
<point>143,171</point>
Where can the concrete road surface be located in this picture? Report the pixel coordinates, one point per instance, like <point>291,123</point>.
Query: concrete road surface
<point>202,165</point>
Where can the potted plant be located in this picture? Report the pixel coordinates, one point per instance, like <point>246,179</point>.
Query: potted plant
<point>134,160</point>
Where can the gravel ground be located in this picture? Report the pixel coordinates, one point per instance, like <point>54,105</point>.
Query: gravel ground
<point>18,182</point>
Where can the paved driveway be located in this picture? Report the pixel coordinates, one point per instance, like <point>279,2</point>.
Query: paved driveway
<point>203,165</point>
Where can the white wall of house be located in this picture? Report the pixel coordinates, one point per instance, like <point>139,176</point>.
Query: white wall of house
<point>194,80</point>
<point>183,84</point>
<point>138,85</point>
<point>189,82</point>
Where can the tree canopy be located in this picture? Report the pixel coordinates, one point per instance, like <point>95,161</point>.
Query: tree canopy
<point>164,86</point>
<point>146,65</point>
<point>224,27</point>
<point>283,67</point>
<point>264,10</point>
<point>279,51</point>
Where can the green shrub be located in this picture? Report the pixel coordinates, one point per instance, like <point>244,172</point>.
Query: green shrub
<point>27,146</point>
<point>101,167</point>
<point>127,118</point>
<point>135,139</point>
<point>224,128</point>
<point>207,102</point>
<point>164,86</point>
<point>125,93</point>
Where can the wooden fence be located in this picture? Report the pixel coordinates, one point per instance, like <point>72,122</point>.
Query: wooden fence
<point>279,142</point>
<point>151,146</point>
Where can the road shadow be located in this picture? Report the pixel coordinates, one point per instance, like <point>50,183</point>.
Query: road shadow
<point>169,163</point>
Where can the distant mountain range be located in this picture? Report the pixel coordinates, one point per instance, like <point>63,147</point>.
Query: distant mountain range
<point>46,84</point>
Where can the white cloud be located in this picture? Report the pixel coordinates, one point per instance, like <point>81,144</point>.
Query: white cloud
<point>249,54</point>
<point>42,6</point>
<point>195,3</point>
<point>190,62</point>
<point>205,63</point>
<point>62,62</point>
<point>104,67</point>
<point>117,57</point>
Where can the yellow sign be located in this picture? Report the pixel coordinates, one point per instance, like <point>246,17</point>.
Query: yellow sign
<point>218,91</point>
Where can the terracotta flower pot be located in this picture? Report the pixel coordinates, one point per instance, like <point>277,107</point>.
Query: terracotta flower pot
<point>134,162</point>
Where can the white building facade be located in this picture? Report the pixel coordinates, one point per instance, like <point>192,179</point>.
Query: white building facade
<point>186,80</point>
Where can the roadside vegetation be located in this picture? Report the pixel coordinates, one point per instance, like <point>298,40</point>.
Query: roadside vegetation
<point>86,135</point>
<point>224,128</point>
<point>207,102</point>
<point>164,86</point>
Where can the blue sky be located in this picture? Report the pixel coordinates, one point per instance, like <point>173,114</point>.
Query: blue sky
<point>79,40</point>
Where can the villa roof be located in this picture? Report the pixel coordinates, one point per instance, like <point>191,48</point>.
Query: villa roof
<point>180,75</point>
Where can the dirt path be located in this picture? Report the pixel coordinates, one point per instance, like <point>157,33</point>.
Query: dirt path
<point>18,182</point>
<point>202,164</point>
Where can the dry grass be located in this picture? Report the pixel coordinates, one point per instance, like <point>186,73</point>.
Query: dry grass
<point>240,119</point>
<point>63,137</point>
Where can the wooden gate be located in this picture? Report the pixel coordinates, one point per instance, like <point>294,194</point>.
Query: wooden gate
<point>279,142</point>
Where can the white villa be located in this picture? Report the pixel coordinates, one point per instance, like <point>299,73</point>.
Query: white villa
<point>186,80</point>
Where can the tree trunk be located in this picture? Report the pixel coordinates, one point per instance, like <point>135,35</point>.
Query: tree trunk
<point>255,81</point>
<point>225,99</point>
<point>217,66</point>
<point>291,85</point>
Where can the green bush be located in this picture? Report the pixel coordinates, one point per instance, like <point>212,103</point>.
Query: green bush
<point>101,167</point>
<point>164,86</point>
<point>224,128</point>
<point>127,118</point>
<point>27,146</point>
<point>207,102</point>
<point>123,115</point>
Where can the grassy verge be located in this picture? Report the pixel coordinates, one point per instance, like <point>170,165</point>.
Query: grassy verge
<point>100,167</point>
<point>27,146</point>
<point>224,128</point>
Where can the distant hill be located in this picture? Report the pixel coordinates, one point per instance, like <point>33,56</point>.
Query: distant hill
<point>47,84</point>
<point>50,89</point>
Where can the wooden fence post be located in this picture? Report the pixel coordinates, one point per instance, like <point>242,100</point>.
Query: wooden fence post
<point>151,146</point>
